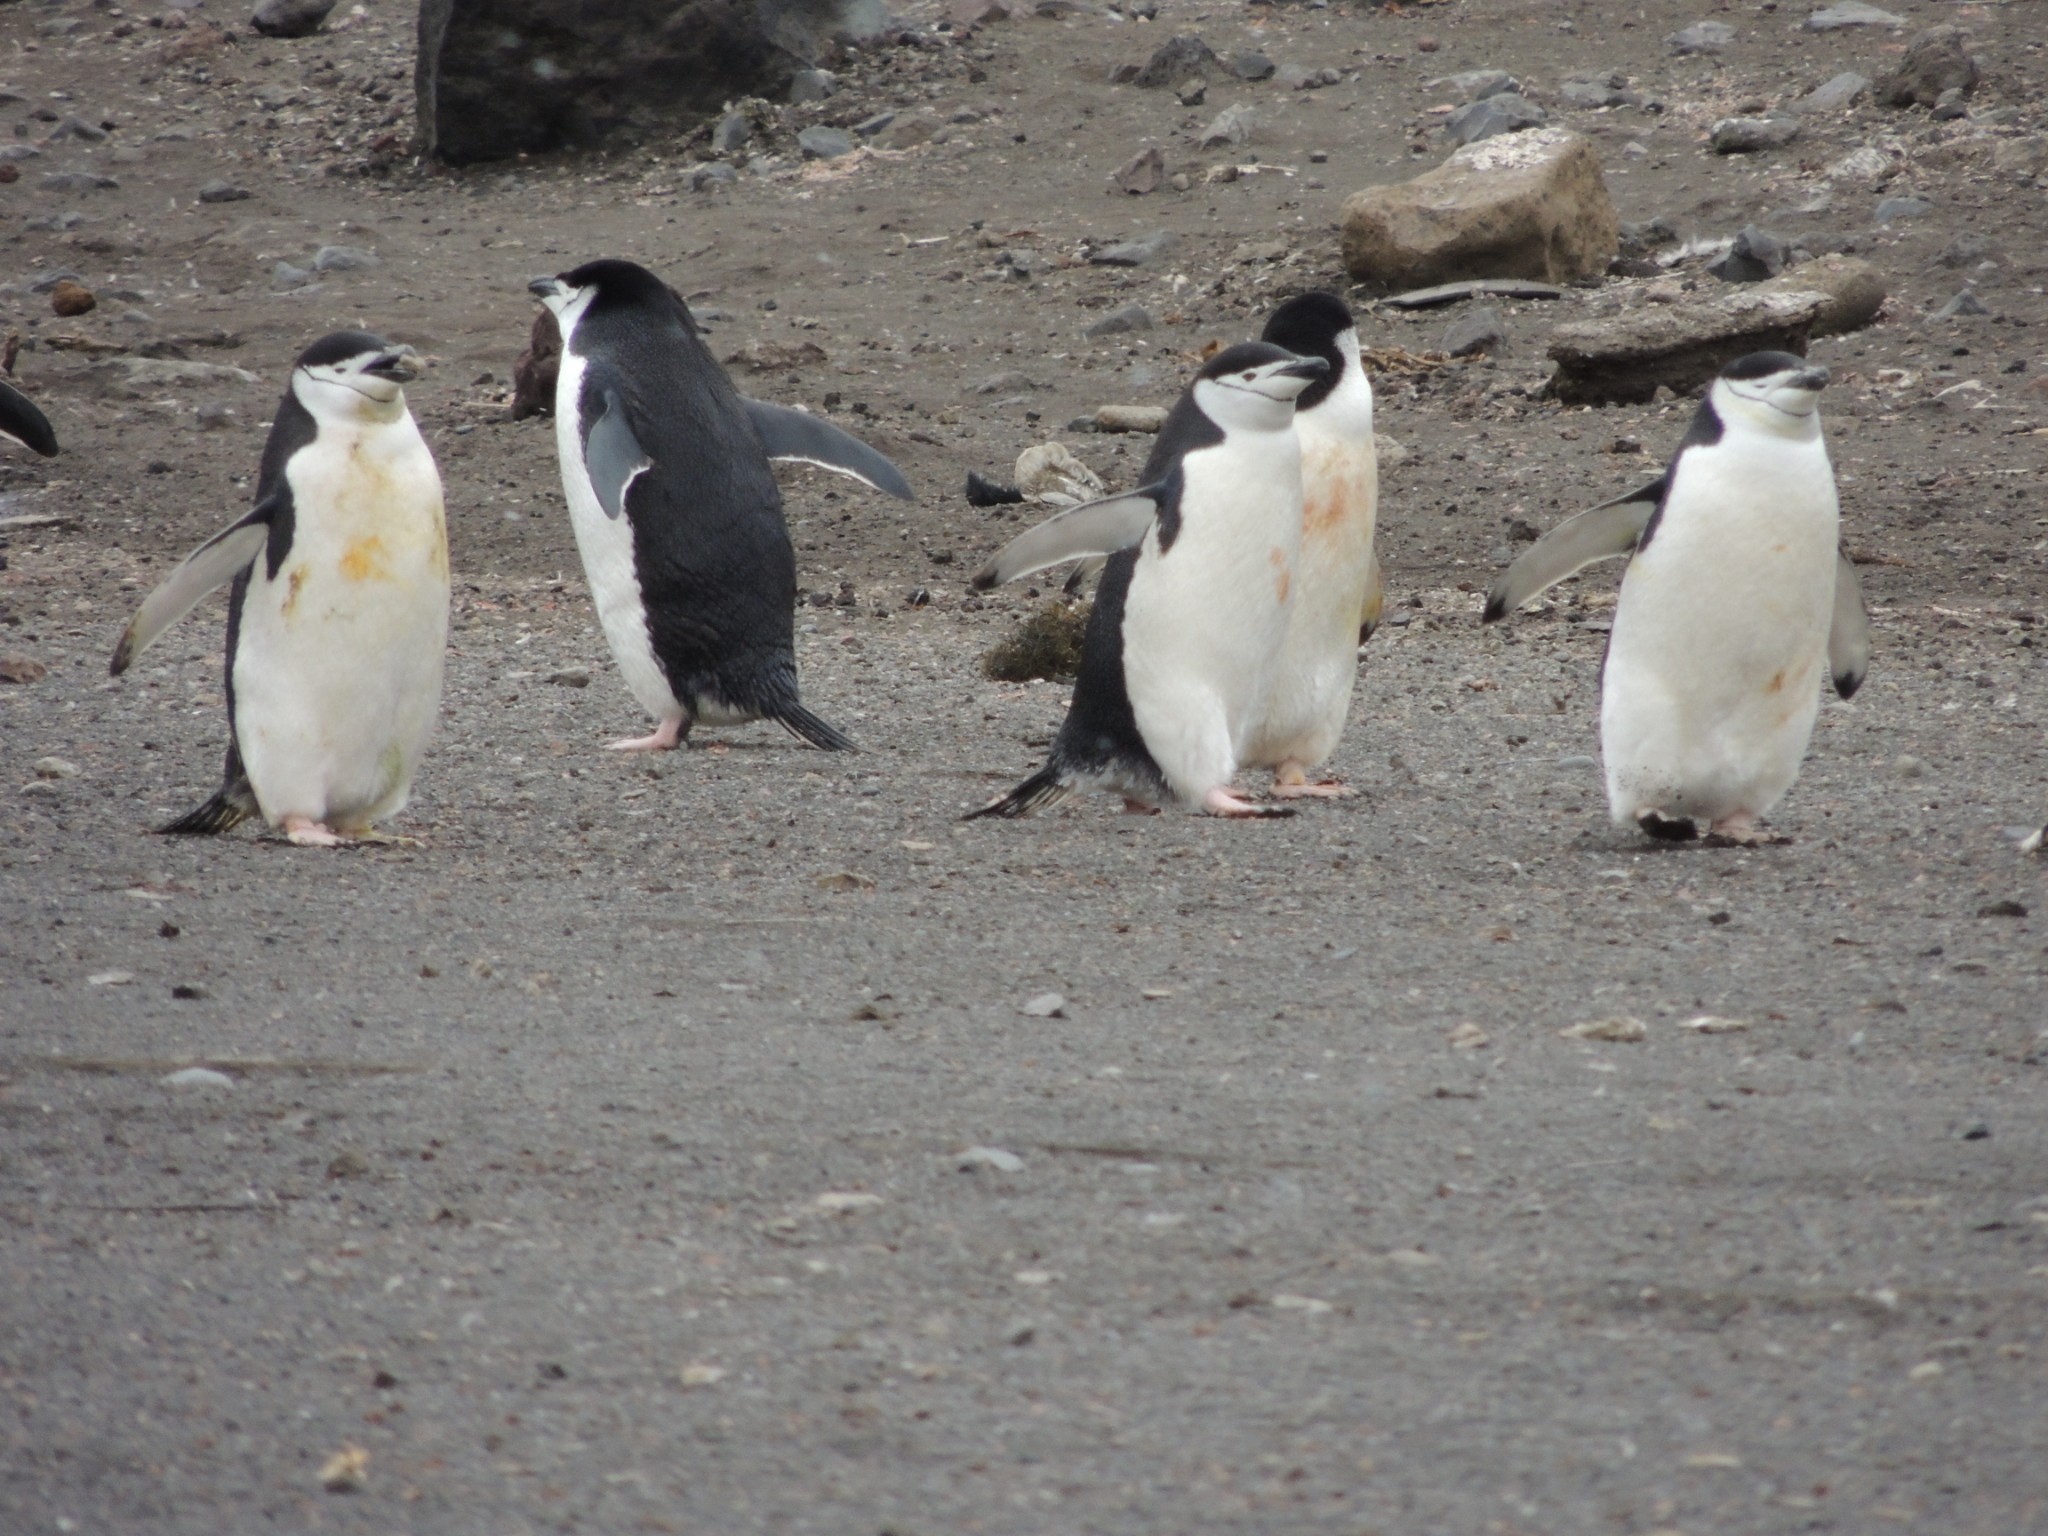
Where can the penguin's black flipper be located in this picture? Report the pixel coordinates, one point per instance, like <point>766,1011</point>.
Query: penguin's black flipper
<point>229,806</point>
<point>1044,788</point>
<point>798,721</point>
<point>219,560</point>
<point>612,456</point>
<point>1848,631</point>
<point>22,421</point>
<point>1095,528</point>
<point>792,434</point>
<point>1598,533</point>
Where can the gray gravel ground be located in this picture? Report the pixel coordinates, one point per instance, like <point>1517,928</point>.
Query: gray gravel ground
<point>531,1180</point>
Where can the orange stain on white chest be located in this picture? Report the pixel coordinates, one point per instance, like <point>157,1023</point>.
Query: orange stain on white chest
<point>366,559</point>
<point>1283,580</point>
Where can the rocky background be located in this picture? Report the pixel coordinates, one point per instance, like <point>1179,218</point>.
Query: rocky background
<point>732,1141</point>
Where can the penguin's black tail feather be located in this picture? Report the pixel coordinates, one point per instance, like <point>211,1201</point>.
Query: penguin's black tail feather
<point>230,806</point>
<point>798,721</point>
<point>1044,788</point>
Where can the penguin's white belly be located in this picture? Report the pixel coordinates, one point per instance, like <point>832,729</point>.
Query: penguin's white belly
<point>1719,646</point>
<point>606,546</point>
<point>338,662</point>
<point>1310,697</point>
<point>1204,621</point>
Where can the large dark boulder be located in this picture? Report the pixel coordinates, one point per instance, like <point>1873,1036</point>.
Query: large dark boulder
<point>496,78</point>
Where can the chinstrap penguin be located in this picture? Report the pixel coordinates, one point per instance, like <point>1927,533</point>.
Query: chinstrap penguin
<point>676,512</point>
<point>1736,602</point>
<point>1337,594</point>
<point>1194,600</point>
<point>338,616</point>
<point>21,420</point>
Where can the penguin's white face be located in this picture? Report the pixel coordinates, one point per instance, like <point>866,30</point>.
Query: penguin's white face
<point>565,303</point>
<point>1261,397</point>
<point>1781,401</point>
<point>368,384</point>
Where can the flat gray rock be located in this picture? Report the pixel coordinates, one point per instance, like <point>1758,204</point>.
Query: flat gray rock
<point>822,143</point>
<point>1850,13</point>
<point>1450,293</point>
<point>1176,59</point>
<point>1839,93</point>
<point>1491,116</point>
<point>1135,253</point>
<point>1132,317</point>
<point>1481,330</point>
<point>1701,37</point>
<point>290,18</point>
<point>1478,84</point>
<point>343,258</point>
<point>1755,256</point>
<point>1902,208</point>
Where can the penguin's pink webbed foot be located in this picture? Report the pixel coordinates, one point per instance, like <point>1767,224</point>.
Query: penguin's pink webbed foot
<point>1221,802</point>
<point>1290,782</point>
<point>666,738</point>
<point>305,832</point>
<point>1741,831</point>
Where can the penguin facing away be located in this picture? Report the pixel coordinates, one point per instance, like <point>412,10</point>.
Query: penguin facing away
<point>338,613</point>
<point>21,420</point>
<point>677,516</point>
<point>1337,593</point>
<point>1736,602</point>
<point>1194,600</point>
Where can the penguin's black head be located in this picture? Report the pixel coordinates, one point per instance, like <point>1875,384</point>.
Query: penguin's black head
<point>1253,385</point>
<point>357,363</point>
<point>1314,325</point>
<point>1764,384</point>
<point>608,283</point>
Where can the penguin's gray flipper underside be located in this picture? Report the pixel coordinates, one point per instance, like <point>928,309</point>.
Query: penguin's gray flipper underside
<point>1598,533</point>
<point>1079,533</point>
<point>612,456</point>
<point>1849,631</point>
<point>791,434</point>
<point>219,560</point>
<point>21,420</point>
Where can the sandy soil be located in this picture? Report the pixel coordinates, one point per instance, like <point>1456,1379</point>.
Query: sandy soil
<point>604,1164</point>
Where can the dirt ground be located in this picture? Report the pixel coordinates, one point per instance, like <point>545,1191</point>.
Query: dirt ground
<point>666,1146</point>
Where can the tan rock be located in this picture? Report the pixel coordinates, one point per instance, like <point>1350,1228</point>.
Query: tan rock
<point>1621,359</point>
<point>1853,289</point>
<point>1524,205</point>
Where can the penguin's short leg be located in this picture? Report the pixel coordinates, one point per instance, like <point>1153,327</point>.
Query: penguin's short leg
<point>1221,802</point>
<point>1740,830</point>
<point>1290,782</point>
<point>305,832</point>
<point>1667,829</point>
<point>666,737</point>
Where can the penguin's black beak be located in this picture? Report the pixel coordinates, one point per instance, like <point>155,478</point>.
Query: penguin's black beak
<point>1810,378</point>
<point>1303,368</point>
<point>400,365</point>
<point>544,287</point>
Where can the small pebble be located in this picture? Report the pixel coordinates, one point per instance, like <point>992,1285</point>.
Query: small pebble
<point>197,1077</point>
<point>55,768</point>
<point>1046,1005</point>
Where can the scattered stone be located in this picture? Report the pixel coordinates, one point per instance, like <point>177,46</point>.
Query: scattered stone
<point>1251,66</point>
<point>20,152</point>
<point>110,979</point>
<point>290,18</point>
<point>1132,317</point>
<point>1143,173</point>
<point>1701,37</point>
<point>1754,256</point>
<point>1526,205</point>
<point>1623,358</point>
<point>1951,104</point>
<point>761,356</point>
<point>343,258</point>
<point>78,128</point>
<point>137,378</point>
<point>1747,135</point>
<point>1865,163</point>
<point>845,880</point>
<point>820,142</point>
<point>51,281</point>
<point>1903,208</point>
<point>223,192</point>
<point>812,85</point>
<point>1713,1024</point>
<point>990,1157</point>
<point>1447,293</point>
<point>1850,13</point>
<point>214,417</point>
<point>731,133</point>
<point>712,173</point>
<point>55,768</point>
<point>1129,418</point>
<point>1175,60</point>
<point>1233,125</point>
<point>1620,1030</point>
<point>1605,89</point>
<point>1480,330</point>
<point>1478,84</point>
<point>284,275</point>
<point>1047,1005</point>
<point>1838,94</point>
<point>77,181</point>
<point>1050,472</point>
<point>58,222</point>
<point>1965,251</point>
<point>1192,93</point>
<point>1135,253</point>
<point>9,172</point>
<point>868,127</point>
<point>1046,645</point>
<point>1937,60</point>
<point>16,668</point>
<point>2023,159</point>
<point>1964,303</point>
<point>197,1077</point>
<point>1493,115</point>
<point>69,299</point>
<point>1011,381</point>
